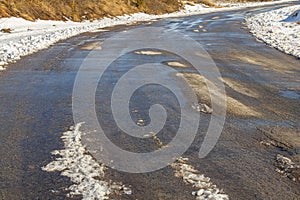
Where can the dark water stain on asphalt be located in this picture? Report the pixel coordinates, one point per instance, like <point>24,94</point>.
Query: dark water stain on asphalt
<point>290,94</point>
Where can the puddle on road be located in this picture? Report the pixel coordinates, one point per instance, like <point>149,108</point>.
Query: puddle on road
<point>290,94</point>
<point>216,17</point>
<point>92,46</point>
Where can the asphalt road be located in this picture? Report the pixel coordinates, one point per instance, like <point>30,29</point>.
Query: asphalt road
<point>261,83</point>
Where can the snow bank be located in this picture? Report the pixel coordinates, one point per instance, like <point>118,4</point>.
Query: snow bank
<point>28,37</point>
<point>253,4</point>
<point>294,17</point>
<point>271,28</point>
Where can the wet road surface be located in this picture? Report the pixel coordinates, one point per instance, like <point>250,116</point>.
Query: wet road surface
<point>36,107</point>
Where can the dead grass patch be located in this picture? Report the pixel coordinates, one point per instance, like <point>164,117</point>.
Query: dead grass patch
<point>207,2</point>
<point>6,30</point>
<point>241,1</point>
<point>91,9</point>
<point>82,10</point>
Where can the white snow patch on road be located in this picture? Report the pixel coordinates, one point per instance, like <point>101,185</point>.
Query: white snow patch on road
<point>82,169</point>
<point>202,107</point>
<point>205,188</point>
<point>269,28</point>
<point>27,37</point>
<point>176,64</point>
<point>150,53</point>
<point>286,167</point>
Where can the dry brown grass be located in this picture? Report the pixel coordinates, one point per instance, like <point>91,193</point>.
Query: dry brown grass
<point>76,10</point>
<point>161,6</point>
<point>6,30</point>
<point>240,1</point>
<point>79,10</point>
<point>210,3</point>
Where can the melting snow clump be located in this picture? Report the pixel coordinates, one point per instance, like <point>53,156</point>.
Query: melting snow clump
<point>86,173</point>
<point>205,188</point>
<point>287,167</point>
<point>201,107</point>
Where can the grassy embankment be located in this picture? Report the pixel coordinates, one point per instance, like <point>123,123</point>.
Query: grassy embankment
<point>78,10</point>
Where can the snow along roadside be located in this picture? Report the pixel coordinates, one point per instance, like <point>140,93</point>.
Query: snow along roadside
<point>82,169</point>
<point>28,37</point>
<point>268,27</point>
<point>253,4</point>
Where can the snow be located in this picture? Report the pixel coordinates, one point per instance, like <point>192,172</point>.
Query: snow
<point>28,37</point>
<point>201,107</point>
<point>205,188</point>
<point>286,167</point>
<point>253,4</point>
<point>82,169</point>
<point>150,53</point>
<point>176,64</point>
<point>294,17</point>
<point>274,29</point>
